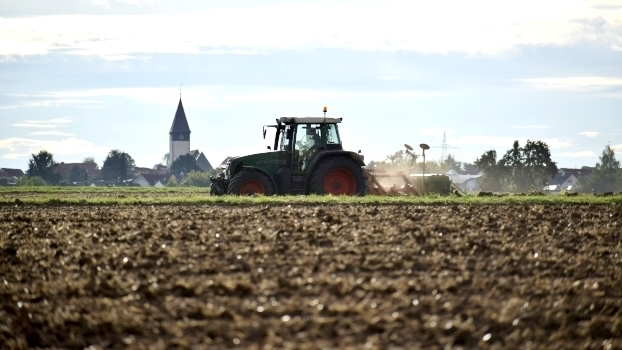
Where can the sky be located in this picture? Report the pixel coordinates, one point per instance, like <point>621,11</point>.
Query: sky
<point>82,77</point>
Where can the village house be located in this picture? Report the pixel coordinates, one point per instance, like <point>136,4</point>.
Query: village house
<point>160,169</point>
<point>11,173</point>
<point>467,181</point>
<point>201,160</point>
<point>151,180</point>
<point>566,179</point>
<point>64,169</point>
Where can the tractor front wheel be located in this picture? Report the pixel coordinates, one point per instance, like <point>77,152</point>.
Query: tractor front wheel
<point>338,176</point>
<point>249,182</point>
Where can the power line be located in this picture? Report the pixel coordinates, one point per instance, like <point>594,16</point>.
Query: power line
<point>445,147</point>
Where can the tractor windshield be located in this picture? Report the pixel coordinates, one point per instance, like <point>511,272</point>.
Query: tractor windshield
<point>308,141</point>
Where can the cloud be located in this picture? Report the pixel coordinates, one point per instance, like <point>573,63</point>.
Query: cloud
<point>555,143</point>
<point>594,84</point>
<point>578,154</point>
<point>617,148</point>
<point>218,97</point>
<point>15,155</point>
<point>50,133</point>
<point>611,6</point>
<point>106,3</point>
<point>69,146</point>
<point>589,133</point>
<point>48,100</point>
<point>531,127</point>
<point>487,27</point>
<point>50,123</point>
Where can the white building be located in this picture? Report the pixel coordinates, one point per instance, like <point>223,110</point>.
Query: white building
<point>150,180</point>
<point>467,180</point>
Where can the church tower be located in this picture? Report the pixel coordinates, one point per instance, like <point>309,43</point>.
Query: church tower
<point>179,143</point>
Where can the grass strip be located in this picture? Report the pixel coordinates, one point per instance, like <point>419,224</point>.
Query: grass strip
<point>158,197</point>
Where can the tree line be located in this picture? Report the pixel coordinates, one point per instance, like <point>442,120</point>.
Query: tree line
<point>527,168</point>
<point>402,161</point>
<point>117,167</point>
<point>606,176</point>
<point>521,169</point>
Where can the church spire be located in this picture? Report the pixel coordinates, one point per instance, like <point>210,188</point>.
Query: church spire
<point>180,123</point>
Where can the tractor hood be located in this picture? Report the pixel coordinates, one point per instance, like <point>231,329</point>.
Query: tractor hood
<point>269,162</point>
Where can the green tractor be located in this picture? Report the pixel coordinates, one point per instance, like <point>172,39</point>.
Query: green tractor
<point>307,158</point>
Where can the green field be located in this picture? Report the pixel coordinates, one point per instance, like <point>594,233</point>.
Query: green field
<point>188,196</point>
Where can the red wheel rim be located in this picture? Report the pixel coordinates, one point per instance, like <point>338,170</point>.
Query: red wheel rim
<point>339,182</point>
<point>251,187</point>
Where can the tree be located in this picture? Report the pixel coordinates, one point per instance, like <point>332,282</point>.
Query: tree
<point>451,164</point>
<point>512,164</point>
<point>117,166</point>
<point>398,159</point>
<point>172,182</point>
<point>42,164</point>
<point>165,158</point>
<point>402,161</point>
<point>197,179</point>
<point>90,160</point>
<point>493,173</point>
<point>538,166</point>
<point>469,166</point>
<point>31,181</point>
<point>606,177</point>
<point>77,174</point>
<point>185,164</point>
<point>520,169</point>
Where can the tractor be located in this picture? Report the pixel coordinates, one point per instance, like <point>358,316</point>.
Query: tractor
<point>307,158</point>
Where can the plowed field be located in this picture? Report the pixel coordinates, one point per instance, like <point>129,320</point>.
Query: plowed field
<point>349,276</point>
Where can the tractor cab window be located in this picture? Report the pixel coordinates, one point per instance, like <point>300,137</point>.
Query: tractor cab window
<point>308,141</point>
<point>332,135</point>
<point>285,142</point>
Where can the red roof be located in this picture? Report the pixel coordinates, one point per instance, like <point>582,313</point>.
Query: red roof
<point>12,172</point>
<point>65,168</point>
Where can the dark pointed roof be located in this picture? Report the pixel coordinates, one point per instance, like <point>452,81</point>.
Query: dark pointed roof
<point>203,162</point>
<point>180,124</point>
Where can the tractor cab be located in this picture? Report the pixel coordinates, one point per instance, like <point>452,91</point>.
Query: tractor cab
<point>303,138</point>
<point>304,150</point>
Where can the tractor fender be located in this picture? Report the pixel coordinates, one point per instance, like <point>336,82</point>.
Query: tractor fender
<point>323,155</point>
<point>265,173</point>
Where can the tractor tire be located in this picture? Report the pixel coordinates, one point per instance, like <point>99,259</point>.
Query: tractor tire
<point>249,182</point>
<point>338,176</point>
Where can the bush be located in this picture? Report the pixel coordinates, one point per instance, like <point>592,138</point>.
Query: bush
<point>172,182</point>
<point>31,181</point>
<point>197,179</point>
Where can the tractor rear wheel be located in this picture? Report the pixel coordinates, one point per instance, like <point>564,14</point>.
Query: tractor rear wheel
<point>338,176</point>
<point>251,181</point>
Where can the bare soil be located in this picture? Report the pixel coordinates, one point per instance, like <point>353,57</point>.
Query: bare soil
<point>499,277</point>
